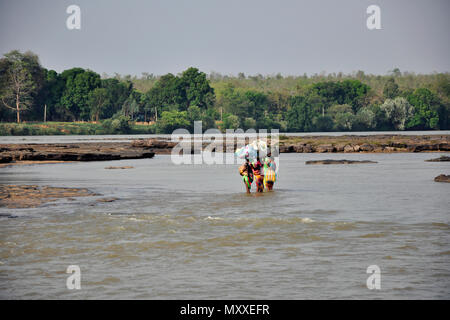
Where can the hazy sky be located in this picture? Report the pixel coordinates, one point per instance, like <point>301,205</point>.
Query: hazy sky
<point>230,36</point>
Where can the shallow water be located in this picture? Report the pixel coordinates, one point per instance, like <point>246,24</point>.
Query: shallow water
<point>191,232</point>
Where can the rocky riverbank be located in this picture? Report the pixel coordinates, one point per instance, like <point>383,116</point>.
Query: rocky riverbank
<point>147,148</point>
<point>369,144</point>
<point>330,161</point>
<point>334,144</point>
<point>56,152</point>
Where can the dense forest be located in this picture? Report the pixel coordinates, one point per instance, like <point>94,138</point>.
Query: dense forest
<point>321,102</point>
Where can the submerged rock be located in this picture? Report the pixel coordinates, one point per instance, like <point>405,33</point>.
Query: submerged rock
<point>30,196</point>
<point>442,178</point>
<point>107,199</point>
<point>440,159</point>
<point>329,161</point>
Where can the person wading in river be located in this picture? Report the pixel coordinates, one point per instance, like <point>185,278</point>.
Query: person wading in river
<point>270,168</point>
<point>258,174</point>
<point>246,171</point>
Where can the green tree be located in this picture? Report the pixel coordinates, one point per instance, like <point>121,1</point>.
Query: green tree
<point>249,123</point>
<point>52,93</point>
<point>194,113</point>
<point>349,91</point>
<point>79,83</point>
<point>398,111</point>
<point>167,91</point>
<point>344,121</point>
<point>257,104</point>
<point>234,101</point>
<point>117,92</point>
<point>98,100</point>
<point>21,77</point>
<point>299,116</point>
<point>131,106</point>
<point>172,120</point>
<point>231,121</point>
<point>354,93</point>
<point>426,106</point>
<point>197,90</point>
<point>365,119</point>
<point>336,109</point>
<point>322,123</point>
<point>390,90</point>
<point>396,72</point>
<point>117,125</point>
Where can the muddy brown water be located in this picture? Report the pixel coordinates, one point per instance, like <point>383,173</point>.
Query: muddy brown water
<point>191,232</point>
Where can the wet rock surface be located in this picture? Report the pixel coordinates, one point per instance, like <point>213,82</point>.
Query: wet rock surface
<point>107,199</point>
<point>365,144</point>
<point>329,161</point>
<point>329,144</point>
<point>440,159</point>
<point>442,178</point>
<point>72,152</point>
<point>30,196</point>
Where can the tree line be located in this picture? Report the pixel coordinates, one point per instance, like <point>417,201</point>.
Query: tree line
<point>336,102</point>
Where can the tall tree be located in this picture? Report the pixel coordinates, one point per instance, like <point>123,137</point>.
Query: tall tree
<point>426,106</point>
<point>98,100</point>
<point>130,107</point>
<point>21,77</point>
<point>398,112</point>
<point>51,95</point>
<point>197,90</point>
<point>117,92</point>
<point>166,92</point>
<point>300,115</point>
<point>390,90</point>
<point>79,83</point>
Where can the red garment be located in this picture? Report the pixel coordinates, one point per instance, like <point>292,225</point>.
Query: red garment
<point>257,168</point>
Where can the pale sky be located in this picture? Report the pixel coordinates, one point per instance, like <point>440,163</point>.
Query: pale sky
<point>230,36</point>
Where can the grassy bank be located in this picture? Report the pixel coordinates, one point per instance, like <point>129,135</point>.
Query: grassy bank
<point>74,128</point>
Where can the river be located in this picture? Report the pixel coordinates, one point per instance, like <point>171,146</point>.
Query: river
<point>191,232</point>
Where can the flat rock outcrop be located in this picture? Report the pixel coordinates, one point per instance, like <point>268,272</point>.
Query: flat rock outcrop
<point>440,159</point>
<point>442,178</point>
<point>73,152</point>
<point>30,196</point>
<point>365,143</point>
<point>329,161</point>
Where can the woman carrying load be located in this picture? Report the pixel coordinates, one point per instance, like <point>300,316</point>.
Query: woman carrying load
<point>246,171</point>
<point>258,174</point>
<point>270,168</point>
